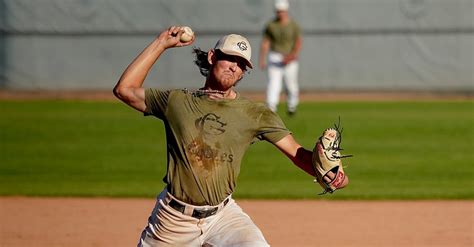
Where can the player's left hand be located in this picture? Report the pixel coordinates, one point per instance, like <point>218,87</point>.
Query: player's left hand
<point>327,161</point>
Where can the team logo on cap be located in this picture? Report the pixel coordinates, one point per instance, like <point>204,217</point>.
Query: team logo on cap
<point>242,45</point>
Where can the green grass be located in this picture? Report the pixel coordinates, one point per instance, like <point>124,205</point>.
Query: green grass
<point>402,150</point>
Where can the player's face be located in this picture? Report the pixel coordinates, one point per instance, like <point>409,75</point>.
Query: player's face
<point>282,14</point>
<point>227,69</point>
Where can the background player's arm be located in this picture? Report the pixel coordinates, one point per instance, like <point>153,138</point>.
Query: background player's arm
<point>293,55</point>
<point>129,88</point>
<point>264,48</point>
<point>302,157</point>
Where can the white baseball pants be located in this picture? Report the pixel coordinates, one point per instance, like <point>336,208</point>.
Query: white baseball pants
<point>278,73</point>
<point>230,226</point>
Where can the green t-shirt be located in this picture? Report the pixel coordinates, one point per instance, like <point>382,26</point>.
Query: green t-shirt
<point>206,140</point>
<point>282,38</point>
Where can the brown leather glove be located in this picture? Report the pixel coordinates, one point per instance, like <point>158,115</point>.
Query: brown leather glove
<point>327,161</point>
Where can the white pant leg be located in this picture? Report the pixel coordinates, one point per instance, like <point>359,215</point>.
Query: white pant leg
<point>291,83</point>
<point>275,80</point>
<point>233,227</point>
<point>168,227</point>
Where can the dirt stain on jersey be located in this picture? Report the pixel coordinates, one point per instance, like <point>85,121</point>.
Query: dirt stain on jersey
<point>202,155</point>
<point>204,150</point>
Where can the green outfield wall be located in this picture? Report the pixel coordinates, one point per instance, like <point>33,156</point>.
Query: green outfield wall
<point>348,44</point>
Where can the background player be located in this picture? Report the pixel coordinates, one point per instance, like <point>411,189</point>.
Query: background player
<point>279,50</point>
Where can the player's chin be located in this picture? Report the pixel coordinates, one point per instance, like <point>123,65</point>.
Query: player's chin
<point>228,83</point>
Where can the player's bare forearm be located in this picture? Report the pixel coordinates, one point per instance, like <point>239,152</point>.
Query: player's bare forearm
<point>303,161</point>
<point>300,156</point>
<point>129,88</point>
<point>294,54</point>
<point>298,44</point>
<point>136,72</point>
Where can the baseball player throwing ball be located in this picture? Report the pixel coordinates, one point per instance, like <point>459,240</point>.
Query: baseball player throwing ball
<point>208,131</point>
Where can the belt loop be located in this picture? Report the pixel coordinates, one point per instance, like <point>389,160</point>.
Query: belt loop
<point>223,204</point>
<point>167,198</point>
<point>188,210</point>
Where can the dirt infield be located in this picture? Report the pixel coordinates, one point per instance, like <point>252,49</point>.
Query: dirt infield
<point>77,222</point>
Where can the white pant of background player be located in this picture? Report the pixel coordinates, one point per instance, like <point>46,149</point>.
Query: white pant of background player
<point>229,226</point>
<point>277,74</point>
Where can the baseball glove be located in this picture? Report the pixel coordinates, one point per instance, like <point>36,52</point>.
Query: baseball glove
<point>327,158</point>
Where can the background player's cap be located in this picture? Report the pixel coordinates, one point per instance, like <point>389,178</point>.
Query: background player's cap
<point>281,5</point>
<point>235,45</point>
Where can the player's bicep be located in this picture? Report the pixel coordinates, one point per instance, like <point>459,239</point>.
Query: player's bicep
<point>134,97</point>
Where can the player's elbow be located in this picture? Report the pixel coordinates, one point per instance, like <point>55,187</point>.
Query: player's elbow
<point>119,91</point>
<point>115,91</point>
<point>134,97</point>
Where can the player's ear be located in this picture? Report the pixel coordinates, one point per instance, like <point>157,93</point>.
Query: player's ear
<point>211,56</point>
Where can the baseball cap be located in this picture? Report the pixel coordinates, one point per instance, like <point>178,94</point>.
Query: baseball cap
<point>281,5</point>
<point>235,45</point>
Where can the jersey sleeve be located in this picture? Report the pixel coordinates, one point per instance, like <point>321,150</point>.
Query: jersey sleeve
<point>156,102</point>
<point>271,127</point>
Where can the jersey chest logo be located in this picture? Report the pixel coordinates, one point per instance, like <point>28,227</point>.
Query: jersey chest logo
<point>210,124</point>
<point>205,150</point>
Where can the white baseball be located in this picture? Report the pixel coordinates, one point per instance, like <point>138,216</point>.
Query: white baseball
<point>187,35</point>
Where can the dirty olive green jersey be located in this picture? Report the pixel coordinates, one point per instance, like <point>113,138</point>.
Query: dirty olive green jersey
<point>206,140</point>
<point>282,38</point>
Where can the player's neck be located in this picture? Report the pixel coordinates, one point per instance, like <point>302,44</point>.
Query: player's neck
<point>218,94</point>
<point>283,19</point>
